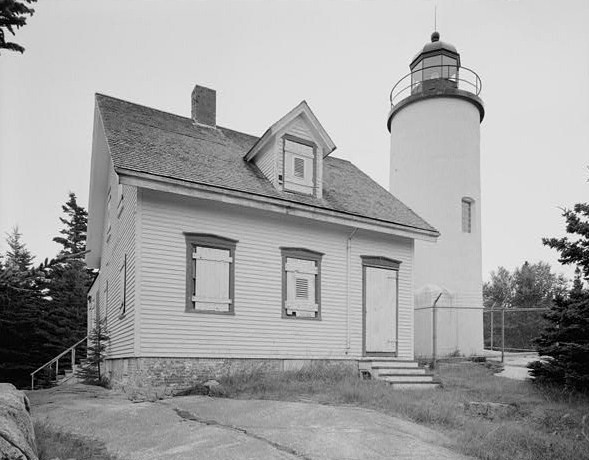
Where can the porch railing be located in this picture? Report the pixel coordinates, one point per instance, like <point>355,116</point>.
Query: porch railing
<point>55,361</point>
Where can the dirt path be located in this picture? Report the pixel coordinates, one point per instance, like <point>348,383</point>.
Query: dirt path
<point>194,427</point>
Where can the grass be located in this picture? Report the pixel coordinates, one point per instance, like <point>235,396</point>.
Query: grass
<point>547,423</point>
<point>52,443</point>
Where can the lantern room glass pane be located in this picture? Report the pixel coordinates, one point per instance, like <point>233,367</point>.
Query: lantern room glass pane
<point>416,73</point>
<point>432,67</point>
<point>450,68</point>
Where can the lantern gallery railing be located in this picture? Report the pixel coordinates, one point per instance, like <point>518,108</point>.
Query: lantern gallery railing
<point>436,76</point>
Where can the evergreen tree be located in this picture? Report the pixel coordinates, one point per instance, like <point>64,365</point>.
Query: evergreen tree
<point>19,301</point>
<point>75,227</point>
<point>18,257</point>
<point>13,14</point>
<point>564,343</point>
<point>92,370</point>
<point>63,319</point>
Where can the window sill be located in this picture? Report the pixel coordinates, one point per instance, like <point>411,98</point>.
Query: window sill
<point>210,312</point>
<point>301,318</point>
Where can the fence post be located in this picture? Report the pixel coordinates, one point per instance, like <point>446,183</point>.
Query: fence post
<point>73,358</point>
<point>492,325</point>
<point>434,333</point>
<point>503,333</point>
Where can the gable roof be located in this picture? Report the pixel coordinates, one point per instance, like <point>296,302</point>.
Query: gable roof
<point>304,110</point>
<point>163,145</point>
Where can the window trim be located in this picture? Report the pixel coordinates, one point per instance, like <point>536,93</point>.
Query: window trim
<point>303,254</point>
<point>290,137</point>
<point>208,240</point>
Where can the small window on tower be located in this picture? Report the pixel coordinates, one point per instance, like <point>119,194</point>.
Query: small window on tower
<point>467,208</point>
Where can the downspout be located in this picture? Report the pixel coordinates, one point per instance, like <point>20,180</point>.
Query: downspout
<point>348,286</point>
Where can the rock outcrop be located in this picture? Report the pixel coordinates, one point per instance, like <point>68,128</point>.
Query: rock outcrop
<point>17,436</point>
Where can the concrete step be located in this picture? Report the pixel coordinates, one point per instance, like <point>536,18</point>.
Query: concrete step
<point>382,370</point>
<point>370,363</point>
<point>402,378</point>
<point>415,385</point>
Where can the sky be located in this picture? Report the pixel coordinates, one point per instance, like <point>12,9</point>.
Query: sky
<point>343,57</point>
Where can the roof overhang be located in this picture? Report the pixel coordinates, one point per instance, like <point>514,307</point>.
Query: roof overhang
<point>303,110</point>
<point>285,207</point>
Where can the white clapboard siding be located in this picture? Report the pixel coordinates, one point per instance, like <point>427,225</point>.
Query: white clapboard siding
<point>266,161</point>
<point>119,241</point>
<point>257,329</point>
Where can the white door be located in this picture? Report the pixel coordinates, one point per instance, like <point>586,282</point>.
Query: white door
<point>381,310</point>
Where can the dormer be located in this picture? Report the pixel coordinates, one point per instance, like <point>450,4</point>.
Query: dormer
<point>290,153</point>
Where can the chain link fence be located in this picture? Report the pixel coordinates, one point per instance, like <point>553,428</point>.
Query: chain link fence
<point>511,328</point>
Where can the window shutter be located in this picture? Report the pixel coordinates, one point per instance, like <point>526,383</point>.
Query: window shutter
<point>211,279</point>
<point>300,287</point>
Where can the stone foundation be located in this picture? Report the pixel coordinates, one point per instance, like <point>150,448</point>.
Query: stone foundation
<point>179,373</point>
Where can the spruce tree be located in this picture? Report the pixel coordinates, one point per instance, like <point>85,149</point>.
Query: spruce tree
<point>18,257</point>
<point>63,319</point>
<point>13,15</point>
<point>564,343</point>
<point>92,371</point>
<point>20,298</point>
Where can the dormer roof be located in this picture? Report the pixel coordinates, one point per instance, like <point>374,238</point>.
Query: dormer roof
<point>304,111</point>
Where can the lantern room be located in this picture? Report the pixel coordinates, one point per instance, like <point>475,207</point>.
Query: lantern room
<point>436,60</point>
<point>436,71</point>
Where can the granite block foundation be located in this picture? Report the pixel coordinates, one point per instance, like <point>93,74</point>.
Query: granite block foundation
<point>180,373</point>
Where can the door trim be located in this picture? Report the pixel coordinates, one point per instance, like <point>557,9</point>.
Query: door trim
<point>389,264</point>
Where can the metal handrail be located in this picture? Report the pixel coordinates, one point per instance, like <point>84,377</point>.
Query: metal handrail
<point>71,349</point>
<point>473,81</point>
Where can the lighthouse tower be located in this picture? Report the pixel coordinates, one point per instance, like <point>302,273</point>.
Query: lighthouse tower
<point>434,123</point>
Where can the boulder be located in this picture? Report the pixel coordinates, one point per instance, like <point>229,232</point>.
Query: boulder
<point>17,436</point>
<point>490,410</point>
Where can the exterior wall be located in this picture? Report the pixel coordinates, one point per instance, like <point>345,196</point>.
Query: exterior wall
<point>257,329</point>
<point>118,242</point>
<point>435,162</point>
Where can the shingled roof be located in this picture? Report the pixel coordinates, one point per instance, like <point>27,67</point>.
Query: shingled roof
<point>161,144</point>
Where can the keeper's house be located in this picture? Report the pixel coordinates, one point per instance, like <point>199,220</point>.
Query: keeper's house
<point>220,251</point>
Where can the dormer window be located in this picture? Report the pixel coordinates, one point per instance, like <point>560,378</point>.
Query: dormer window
<point>299,165</point>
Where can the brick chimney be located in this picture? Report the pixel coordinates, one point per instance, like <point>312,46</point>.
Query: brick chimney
<point>204,106</point>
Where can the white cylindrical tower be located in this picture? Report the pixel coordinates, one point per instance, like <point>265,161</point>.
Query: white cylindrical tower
<point>435,169</point>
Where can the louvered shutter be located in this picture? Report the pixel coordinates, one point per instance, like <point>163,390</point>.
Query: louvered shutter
<point>211,268</point>
<point>300,287</point>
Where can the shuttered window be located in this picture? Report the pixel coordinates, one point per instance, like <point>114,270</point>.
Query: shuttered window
<point>210,273</point>
<point>467,205</point>
<point>299,165</point>
<point>301,283</point>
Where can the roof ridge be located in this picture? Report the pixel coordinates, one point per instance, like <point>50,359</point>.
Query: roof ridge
<point>168,113</point>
